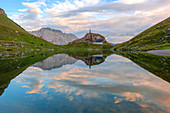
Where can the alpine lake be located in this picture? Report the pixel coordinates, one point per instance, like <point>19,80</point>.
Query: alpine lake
<point>84,82</point>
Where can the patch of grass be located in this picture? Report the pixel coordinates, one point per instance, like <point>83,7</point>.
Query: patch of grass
<point>86,45</point>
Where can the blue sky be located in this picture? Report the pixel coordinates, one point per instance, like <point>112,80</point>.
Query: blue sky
<point>117,20</point>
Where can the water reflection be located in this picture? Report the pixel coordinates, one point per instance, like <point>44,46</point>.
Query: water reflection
<point>157,65</point>
<point>55,61</point>
<point>11,65</point>
<point>114,84</point>
<point>91,60</point>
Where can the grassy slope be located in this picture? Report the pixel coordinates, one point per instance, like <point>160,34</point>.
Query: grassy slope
<point>156,37</point>
<point>10,39</point>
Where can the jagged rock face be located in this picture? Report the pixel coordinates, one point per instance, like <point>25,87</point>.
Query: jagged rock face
<point>90,38</point>
<point>54,36</point>
<point>55,61</point>
<point>2,12</point>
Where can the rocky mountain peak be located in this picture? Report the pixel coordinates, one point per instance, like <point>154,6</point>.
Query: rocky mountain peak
<point>2,12</point>
<point>54,36</point>
<point>47,28</point>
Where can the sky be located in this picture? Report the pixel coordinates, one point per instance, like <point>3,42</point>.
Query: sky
<point>117,20</point>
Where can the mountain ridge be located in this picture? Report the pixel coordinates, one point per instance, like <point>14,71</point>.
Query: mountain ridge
<point>54,36</point>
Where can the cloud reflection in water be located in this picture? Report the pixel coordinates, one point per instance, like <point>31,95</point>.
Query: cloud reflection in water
<point>117,79</point>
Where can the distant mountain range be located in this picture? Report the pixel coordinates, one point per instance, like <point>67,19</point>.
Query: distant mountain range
<point>55,61</point>
<point>54,36</point>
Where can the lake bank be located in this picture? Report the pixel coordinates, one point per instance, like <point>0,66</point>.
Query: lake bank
<point>160,52</point>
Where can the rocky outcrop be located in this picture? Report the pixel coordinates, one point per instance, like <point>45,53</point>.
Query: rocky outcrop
<point>55,61</point>
<point>2,12</point>
<point>90,38</point>
<point>54,36</point>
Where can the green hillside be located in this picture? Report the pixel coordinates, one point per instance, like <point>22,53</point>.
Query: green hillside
<point>13,37</point>
<point>154,38</point>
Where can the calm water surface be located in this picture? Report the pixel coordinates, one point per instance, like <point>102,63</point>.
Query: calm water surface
<point>66,84</point>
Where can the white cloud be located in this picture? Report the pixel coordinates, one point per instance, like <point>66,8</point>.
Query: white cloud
<point>60,7</point>
<point>132,1</point>
<point>32,11</point>
<point>83,3</point>
<point>117,21</point>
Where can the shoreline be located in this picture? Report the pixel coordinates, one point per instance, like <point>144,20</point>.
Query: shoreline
<point>165,52</point>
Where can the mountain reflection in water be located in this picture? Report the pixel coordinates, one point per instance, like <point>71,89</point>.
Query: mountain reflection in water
<point>114,84</point>
<point>55,61</point>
